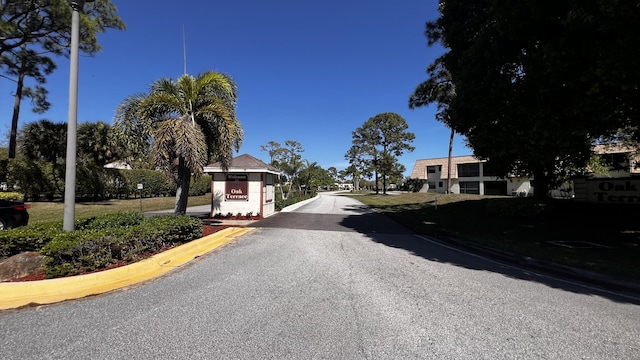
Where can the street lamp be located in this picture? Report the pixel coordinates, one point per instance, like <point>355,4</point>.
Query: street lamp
<point>69,222</point>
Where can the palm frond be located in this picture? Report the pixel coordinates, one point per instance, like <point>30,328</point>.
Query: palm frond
<point>177,138</point>
<point>132,132</point>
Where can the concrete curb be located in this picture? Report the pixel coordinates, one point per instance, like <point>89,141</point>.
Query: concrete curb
<point>18,294</point>
<point>299,204</point>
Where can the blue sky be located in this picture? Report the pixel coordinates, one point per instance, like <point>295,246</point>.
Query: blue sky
<point>306,71</point>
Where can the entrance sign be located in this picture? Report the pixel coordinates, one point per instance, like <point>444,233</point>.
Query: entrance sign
<point>608,190</point>
<point>236,187</point>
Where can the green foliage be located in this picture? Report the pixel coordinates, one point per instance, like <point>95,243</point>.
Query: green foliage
<point>95,143</point>
<point>36,179</point>
<point>154,183</point>
<point>91,181</point>
<point>34,237</point>
<point>109,221</point>
<point>292,199</point>
<point>106,240</point>
<point>99,241</point>
<point>536,85</point>
<point>377,144</point>
<point>191,119</point>
<point>288,159</point>
<point>414,185</point>
<point>15,241</point>
<point>200,186</point>
<point>312,177</point>
<point>11,196</point>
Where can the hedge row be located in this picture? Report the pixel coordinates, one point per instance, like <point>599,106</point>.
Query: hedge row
<point>100,241</point>
<point>11,196</point>
<point>39,180</point>
<point>292,199</point>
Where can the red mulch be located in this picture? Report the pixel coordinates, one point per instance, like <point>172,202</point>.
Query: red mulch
<point>207,230</point>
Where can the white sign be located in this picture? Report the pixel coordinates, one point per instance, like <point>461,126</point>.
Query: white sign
<point>140,187</point>
<point>614,190</point>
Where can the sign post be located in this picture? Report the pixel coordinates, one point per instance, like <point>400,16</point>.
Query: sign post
<point>140,187</point>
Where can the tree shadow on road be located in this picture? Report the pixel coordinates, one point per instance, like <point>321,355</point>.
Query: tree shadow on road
<point>381,229</point>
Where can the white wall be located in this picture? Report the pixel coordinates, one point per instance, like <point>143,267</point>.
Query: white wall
<point>255,193</point>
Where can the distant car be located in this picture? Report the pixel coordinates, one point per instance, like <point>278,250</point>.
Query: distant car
<point>13,214</point>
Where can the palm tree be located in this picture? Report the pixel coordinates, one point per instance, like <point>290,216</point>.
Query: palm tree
<point>186,123</point>
<point>94,143</point>
<point>46,141</point>
<point>439,89</point>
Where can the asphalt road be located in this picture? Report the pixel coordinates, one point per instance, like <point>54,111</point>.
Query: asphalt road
<point>333,280</point>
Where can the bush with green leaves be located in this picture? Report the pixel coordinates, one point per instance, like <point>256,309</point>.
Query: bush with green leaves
<point>110,221</point>
<point>102,242</point>
<point>292,199</point>
<point>11,196</point>
<point>18,240</point>
<point>36,179</point>
<point>200,186</point>
<point>34,237</point>
<point>154,183</point>
<point>99,241</point>
<point>413,185</point>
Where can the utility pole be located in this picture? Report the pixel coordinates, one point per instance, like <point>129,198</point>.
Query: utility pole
<point>69,222</point>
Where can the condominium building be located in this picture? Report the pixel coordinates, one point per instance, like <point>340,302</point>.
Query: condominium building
<point>469,175</point>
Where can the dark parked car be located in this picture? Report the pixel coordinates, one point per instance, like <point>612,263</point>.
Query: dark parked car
<point>13,214</point>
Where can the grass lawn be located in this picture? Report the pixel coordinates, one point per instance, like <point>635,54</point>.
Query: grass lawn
<point>46,212</point>
<point>597,237</point>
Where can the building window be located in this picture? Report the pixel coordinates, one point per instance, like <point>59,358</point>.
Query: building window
<point>489,171</point>
<point>469,170</point>
<point>616,161</point>
<point>439,183</point>
<point>432,185</point>
<point>431,169</point>
<point>495,188</point>
<point>470,187</point>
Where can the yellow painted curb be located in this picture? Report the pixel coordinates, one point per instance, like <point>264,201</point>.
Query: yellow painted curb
<point>17,294</point>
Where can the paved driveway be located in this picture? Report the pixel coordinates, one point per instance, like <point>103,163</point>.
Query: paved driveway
<point>332,280</point>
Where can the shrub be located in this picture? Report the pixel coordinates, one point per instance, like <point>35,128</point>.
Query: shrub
<point>11,196</point>
<point>200,186</point>
<point>413,185</point>
<point>36,179</point>
<point>281,204</point>
<point>154,183</point>
<point>109,221</point>
<point>15,241</point>
<point>105,240</point>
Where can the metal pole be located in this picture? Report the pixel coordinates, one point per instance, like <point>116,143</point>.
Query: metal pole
<point>69,222</point>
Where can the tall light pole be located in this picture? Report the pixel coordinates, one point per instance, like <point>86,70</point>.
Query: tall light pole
<point>69,223</point>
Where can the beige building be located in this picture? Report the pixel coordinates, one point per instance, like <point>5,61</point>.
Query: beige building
<point>620,183</point>
<point>469,175</point>
<point>247,187</point>
<point>624,161</point>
